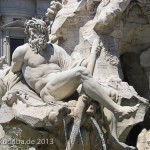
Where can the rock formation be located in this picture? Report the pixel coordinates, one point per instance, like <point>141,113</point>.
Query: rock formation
<point>122,69</point>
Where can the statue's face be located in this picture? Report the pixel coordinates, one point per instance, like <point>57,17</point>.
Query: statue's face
<point>37,40</point>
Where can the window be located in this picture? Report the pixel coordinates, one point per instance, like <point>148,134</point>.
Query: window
<point>14,43</point>
<point>15,19</point>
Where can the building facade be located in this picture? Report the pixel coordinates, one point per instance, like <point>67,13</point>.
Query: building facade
<point>13,14</point>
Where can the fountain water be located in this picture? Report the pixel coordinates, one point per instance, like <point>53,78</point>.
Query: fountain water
<point>74,134</point>
<point>81,138</point>
<point>100,133</point>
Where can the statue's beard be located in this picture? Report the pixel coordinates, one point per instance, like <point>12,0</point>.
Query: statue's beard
<point>38,44</point>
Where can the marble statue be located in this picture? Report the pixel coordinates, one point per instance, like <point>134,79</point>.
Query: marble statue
<point>58,94</point>
<point>55,6</point>
<point>50,15</point>
<point>52,74</point>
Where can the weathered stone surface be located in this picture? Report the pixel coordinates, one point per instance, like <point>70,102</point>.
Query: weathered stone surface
<point>22,136</point>
<point>143,142</point>
<point>32,148</point>
<point>2,133</point>
<point>131,31</point>
<point>5,147</point>
<point>106,13</point>
<point>6,114</point>
<point>69,19</point>
<point>40,116</point>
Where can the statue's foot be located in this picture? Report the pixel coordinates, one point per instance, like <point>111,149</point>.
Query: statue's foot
<point>125,112</point>
<point>116,145</point>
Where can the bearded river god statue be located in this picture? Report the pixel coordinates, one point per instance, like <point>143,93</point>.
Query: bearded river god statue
<point>43,91</point>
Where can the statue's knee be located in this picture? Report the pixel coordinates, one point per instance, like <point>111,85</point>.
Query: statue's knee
<point>42,93</point>
<point>46,96</point>
<point>45,91</point>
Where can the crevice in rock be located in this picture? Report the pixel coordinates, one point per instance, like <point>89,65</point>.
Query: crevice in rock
<point>133,134</point>
<point>134,73</point>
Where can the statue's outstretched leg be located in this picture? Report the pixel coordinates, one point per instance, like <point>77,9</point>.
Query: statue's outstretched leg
<point>61,85</point>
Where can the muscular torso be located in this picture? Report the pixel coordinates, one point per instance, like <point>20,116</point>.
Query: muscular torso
<point>37,67</point>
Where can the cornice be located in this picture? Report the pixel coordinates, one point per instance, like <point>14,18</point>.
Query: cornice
<point>15,25</point>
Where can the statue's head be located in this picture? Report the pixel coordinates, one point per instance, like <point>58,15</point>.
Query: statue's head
<point>36,29</point>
